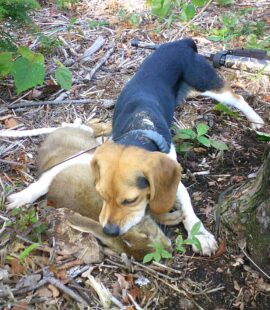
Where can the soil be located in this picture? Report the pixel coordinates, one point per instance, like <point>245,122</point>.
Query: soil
<point>227,280</point>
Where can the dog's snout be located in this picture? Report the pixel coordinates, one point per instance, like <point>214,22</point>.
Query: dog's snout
<point>111,230</point>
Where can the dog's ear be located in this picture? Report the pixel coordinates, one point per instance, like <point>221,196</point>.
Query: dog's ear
<point>164,176</point>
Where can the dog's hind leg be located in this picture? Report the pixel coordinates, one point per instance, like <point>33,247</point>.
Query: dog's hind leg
<point>227,96</point>
<point>201,76</point>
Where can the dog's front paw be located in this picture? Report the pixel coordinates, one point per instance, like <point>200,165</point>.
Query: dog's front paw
<point>257,122</point>
<point>207,241</point>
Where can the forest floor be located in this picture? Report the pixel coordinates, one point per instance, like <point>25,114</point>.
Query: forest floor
<point>228,280</point>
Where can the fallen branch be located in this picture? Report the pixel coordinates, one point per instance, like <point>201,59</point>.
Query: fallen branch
<point>107,55</point>
<point>92,49</point>
<point>107,103</point>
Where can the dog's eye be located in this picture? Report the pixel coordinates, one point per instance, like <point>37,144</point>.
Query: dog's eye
<point>129,201</point>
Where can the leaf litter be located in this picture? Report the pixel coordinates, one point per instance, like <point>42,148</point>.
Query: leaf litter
<point>49,276</point>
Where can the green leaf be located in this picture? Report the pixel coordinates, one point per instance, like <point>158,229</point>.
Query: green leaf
<point>185,134</point>
<point>199,3</point>
<point>263,136</point>
<point>204,141</point>
<point>64,77</point>
<point>157,256</point>
<point>161,8</point>
<point>26,74</point>
<point>188,12</point>
<point>195,230</point>
<point>166,254</point>
<point>225,2</point>
<point>202,129</point>
<point>219,145</point>
<point>6,63</point>
<point>224,109</point>
<point>214,38</point>
<point>27,251</point>
<point>184,147</point>
<point>197,243</point>
<point>148,258</point>
<point>30,55</point>
<point>188,241</point>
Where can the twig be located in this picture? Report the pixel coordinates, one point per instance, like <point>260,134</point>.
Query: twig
<point>103,293</point>
<point>107,103</point>
<point>252,261</point>
<point>66,290</point>
<point>155,272</point>
<point>107,55</point>
<point>92,49</point>
<point>14,163</point>
<point>166,267</point>
<point>137,307</point>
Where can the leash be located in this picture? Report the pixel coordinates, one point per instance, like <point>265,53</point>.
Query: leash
<point>71,157</point>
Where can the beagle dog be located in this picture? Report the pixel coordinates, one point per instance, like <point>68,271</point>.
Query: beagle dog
<point>138,168</point>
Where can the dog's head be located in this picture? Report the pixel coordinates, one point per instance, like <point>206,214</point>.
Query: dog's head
<point>128,179</point>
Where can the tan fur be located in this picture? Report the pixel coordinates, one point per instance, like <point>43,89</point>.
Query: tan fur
<point>134,242</point>
<point>73,188</point>
<point>115,170</point>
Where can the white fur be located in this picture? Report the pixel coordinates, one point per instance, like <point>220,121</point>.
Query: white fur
<point>229,99</point>
<point>42,131</point>
<point>41,187</point>
<point>207,240</point>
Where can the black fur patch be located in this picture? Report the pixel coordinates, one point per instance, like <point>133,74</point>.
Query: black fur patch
<point>142,182</point>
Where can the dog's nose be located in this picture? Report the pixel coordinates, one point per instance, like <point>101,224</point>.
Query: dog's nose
<point>111,230</point>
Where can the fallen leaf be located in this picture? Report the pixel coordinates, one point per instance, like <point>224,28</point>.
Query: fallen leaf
<point>11,123</point>
<point>21,305</point>
<point>123,283</point>
<point>55,291</point>
<point>221,249</point>
<point>16,267</point>
<point>44,292</point>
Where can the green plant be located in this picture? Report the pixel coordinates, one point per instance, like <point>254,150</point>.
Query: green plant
<point>62,4</point>
<point>235,25</point>
<point>196,137</point>
<point>25,253</point>
<point>97,23</point>
<point>17,9</point>
<point>28,221</point>
<point>48,44</point>
<point>263,136</point>
<point>225,110</point>
<point>164,8</point>
<point>28,69</point>
<point>64,77</point>
<point>180,243</point>
<point>225,2</point>
<point>159,252</point>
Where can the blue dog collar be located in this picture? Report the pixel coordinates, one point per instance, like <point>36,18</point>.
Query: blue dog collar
<point>152,135</point>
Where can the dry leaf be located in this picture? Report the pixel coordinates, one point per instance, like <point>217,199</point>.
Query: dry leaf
<point>44,292</point>
<point>221,249</point>
<point>11,123</point>
<point>55,291</point>
<point>16,267</point>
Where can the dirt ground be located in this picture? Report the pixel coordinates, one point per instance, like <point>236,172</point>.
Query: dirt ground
<point>227,280</point>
